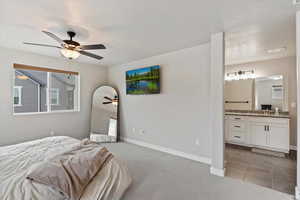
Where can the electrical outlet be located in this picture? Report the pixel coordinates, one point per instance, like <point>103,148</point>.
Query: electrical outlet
<point>197,142</point>
<point>142,131</point>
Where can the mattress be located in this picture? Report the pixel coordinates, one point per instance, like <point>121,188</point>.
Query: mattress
<point>109,184</point>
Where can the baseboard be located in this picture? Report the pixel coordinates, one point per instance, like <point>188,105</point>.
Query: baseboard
<point>168,150</point>
<point>292,147</point>
<point>217,172</point>
<point>297,193</point>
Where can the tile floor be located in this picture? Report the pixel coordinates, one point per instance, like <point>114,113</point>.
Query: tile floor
<point>268,171</point>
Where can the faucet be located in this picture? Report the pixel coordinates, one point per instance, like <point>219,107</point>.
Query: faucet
<point>267,112</point>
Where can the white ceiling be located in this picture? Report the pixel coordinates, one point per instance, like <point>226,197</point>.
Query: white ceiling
<point>135,29</point>
<point>251,42</point>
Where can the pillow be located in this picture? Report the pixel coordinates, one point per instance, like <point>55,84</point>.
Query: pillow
<point>72,171</point>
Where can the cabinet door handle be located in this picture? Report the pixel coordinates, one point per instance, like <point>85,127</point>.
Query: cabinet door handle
<point>237,126</point>
<point>237,136</point>
<point>265,128</point>
<point>268,128</point>
<point>237,118</point>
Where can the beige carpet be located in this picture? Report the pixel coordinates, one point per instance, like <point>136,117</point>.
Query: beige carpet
<point>160,176</point>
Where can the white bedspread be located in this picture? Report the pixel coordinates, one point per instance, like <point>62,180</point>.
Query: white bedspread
<point>109,184</point>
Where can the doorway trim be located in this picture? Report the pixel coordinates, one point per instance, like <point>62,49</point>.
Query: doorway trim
<point>217,45</point>
<point>297,189</point>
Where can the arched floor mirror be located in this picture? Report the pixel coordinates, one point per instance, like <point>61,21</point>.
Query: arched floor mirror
<point>104,117</point>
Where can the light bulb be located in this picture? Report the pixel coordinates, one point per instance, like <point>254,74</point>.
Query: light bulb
<point>70,53</point>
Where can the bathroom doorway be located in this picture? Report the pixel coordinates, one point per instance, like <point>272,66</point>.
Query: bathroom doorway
<point>260,95</point>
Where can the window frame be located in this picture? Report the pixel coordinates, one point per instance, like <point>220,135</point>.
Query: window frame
<point>49,110</point>
<point>57,96</point>
<point>19,88</point>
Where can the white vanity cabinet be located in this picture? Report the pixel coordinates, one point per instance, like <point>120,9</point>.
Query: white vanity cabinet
<point>262,132</point>
<point>270,133</point>
<point>236,130</point>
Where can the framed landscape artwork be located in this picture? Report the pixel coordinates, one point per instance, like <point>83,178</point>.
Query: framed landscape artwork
<point>143,81</point>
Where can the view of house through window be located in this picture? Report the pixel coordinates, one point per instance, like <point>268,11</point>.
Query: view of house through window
<point>54,96</point>
<point>44,90</point>
<point>62,91</point>
<point>17,95</point>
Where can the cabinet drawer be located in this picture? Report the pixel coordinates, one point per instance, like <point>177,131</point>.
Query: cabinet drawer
<point>237,126</point>
<point>269,120</point>
<point>236,117</point>
<point>237,136</point>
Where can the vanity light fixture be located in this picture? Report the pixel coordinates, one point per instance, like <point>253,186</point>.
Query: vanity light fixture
<point>240,75</point>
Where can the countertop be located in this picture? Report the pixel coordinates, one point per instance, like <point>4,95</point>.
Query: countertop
<point>253,114</point>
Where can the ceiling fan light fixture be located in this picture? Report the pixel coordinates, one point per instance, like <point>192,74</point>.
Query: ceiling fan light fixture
<point>70,54</point>
<point>70,48</point>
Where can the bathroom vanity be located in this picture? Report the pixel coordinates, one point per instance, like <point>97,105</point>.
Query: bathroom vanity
<point>266,131</point>
<point>252,116</point>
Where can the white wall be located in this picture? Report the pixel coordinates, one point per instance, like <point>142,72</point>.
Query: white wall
<point>16,129</point>
<point>287,68</point>
<point>178,116</point>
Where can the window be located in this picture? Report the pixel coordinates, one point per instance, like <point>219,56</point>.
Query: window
<point>54,96</point>
<point>277,92</point>
<point>17,96</point>
<point>63,91</point>
<point>44,90</point>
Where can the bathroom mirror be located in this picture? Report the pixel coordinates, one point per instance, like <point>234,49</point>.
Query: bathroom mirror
<point>260,93</point>
<point>104,117</point>
<point>269,93</point>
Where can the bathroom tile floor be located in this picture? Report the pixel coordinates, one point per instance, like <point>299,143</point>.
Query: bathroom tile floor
<point>265,170</point>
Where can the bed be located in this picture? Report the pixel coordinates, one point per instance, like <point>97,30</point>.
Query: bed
<point>109,183</point>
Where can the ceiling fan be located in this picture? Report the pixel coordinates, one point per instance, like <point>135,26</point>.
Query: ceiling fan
<point>114,101</point>
<point>70,48</point>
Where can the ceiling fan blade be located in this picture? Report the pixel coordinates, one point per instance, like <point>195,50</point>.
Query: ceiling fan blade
<point>90,55</point>
<point>92,46</point>
<point>108,98</point>
<point>107,102</point>
<point>60,41</point>
<point>43,45</point>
